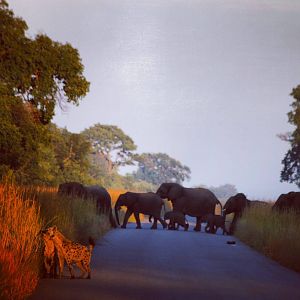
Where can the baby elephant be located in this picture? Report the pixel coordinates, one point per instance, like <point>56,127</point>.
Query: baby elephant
<point>214,222</point>
<point>176,219</point>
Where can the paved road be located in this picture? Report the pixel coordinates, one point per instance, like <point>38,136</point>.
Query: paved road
<point>160,264</point>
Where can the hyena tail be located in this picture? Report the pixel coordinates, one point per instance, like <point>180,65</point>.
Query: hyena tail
<point>92,244</point>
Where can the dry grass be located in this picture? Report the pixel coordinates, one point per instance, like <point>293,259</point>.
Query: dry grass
<point>75,217</point>
<point>272,233</point>
<point>24,211</point>
<point>20,224</point>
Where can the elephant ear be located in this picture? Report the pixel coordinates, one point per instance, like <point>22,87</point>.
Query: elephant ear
<point>175,191</point>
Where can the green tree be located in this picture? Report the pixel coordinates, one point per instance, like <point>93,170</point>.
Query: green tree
<point>291,161</point>
<point>39,71</point>
<point>35,75</point>
<point>71,152</point>
<point>157,168</point>
<point>111,147</point>
<point>19,136</point>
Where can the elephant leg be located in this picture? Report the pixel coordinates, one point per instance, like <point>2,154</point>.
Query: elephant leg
<point>163,223</point>
<point>138,221</point>
<point>198,224</point>
<point>233,223</point>
<point>214,229</point>
<point>186,227</point>
<point>154,226</point>
<point>173,225</point>
<point>127,215</point>
<point>206,229</point>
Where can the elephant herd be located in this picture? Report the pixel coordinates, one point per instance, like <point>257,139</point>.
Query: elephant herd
<point>195,202</point>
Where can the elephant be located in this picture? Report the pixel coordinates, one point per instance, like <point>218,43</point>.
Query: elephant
<point>195,202</point>
<point>289,201</point>
<point>100,194</point>
<point>214,222</point>
<point>235,204</point>
<point>176,219</point>
<point>136,203</point>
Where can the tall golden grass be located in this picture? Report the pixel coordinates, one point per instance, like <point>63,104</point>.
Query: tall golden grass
<point>20,224</point>
<point>272,233</point>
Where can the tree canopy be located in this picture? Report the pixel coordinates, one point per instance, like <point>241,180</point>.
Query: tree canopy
<point>291,161</point>
<point>36,74</point>
<point>40,71</point>
<point>157,168</point>
<point>110,145</point>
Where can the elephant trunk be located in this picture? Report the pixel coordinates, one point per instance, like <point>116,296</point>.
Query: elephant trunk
<point>117,208</point>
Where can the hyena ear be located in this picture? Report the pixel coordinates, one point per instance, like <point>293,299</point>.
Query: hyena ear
<point>54,228</point>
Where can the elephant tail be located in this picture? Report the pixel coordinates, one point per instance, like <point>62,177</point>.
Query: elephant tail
<point>112,219</point>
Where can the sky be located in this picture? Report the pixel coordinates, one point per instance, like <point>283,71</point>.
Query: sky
<point>207,82</point>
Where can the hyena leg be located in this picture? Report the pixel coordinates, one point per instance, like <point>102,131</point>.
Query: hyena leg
<point>86,265</point>
<point>61,265</point>
<point>81,266</point>
<point>47,265</point>
<point>69,263</point>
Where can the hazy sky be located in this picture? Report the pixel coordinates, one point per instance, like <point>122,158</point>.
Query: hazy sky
<point>207,82</point>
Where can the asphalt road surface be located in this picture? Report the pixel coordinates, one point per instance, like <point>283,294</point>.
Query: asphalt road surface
<point>160,264</point>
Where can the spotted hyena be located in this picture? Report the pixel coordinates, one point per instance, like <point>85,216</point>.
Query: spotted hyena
<point>73,253</point>
<point>49,255</point>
